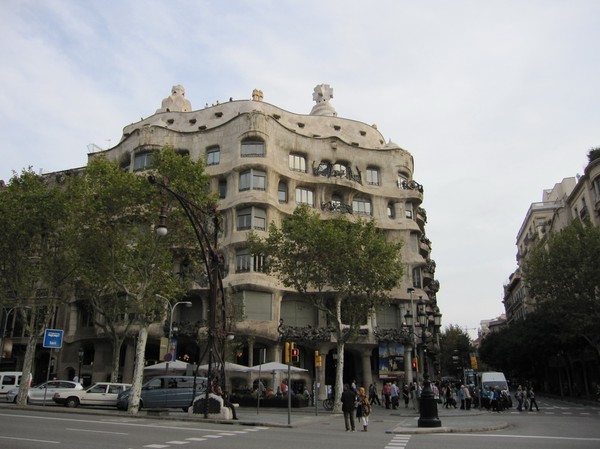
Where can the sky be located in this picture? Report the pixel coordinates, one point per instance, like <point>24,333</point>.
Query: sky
<point>496,100</point>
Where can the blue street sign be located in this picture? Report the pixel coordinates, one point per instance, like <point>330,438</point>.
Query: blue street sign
<point>53,338</point>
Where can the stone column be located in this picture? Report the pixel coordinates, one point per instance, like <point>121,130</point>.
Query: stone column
<point>366,368</point>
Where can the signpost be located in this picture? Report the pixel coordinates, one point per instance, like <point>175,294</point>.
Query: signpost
<point>53,339</point>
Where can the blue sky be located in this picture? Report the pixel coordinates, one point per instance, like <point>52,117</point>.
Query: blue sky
<point>496,100</point>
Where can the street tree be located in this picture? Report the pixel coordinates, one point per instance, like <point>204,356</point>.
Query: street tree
<point>455,346</point>
<point>343,267</point>
<point>563,277</point>
<point>37,264</point>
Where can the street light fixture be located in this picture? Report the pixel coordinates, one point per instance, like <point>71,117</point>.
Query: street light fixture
<point>428,412</point>
<point>171,313</point>
<point>205,223</point>
<point>81,353</point>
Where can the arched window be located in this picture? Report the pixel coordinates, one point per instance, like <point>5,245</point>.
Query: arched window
<point>253,148</point>
<point>361,206</point>
<point>142,161</point>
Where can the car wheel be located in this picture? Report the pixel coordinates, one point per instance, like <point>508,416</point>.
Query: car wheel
<point>72,402</point>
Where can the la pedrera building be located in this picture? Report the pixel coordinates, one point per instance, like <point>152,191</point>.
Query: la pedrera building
<point>264,161</point>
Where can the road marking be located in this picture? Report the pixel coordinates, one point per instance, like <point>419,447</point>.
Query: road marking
<point>532,437</point>
<point>30,439</point>
<point>213,436</point>
<point>177,442</point>
<point>196,439</point>
<point>157,446</point>
<point>96,431</point>
<point>398,441</point>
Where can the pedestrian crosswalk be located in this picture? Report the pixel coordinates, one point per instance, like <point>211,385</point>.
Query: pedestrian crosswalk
<point>398,442</point>
<point>203,438</point>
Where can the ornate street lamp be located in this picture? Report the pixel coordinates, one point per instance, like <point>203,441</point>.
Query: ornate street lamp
<point>80,353</point>
<point>205,223</point>
<point>428,412</point>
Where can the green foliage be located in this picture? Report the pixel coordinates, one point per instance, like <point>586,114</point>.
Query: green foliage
<point>563,276</point>
<point>593,154</point>
<point>338,258</point>
<point>452,339</point>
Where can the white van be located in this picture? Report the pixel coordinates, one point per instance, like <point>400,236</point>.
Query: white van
<point>493,379</point>
<point>8,381</point>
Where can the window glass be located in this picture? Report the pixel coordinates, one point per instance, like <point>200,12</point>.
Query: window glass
<point>417,277</point>
<point>253,148</point>
<point>213,156</point>
<point>305,196</point>
<point>244,219</point>
<point>297,163</point>
<point>373,176</point>
<point>222,188</point>
<point>391,210</point>
<point>282,192</point>
<point>142,161</point>
<point>408,210</point>
<point>242,261</point>
<point>361,206</point>
<point>253,180</point>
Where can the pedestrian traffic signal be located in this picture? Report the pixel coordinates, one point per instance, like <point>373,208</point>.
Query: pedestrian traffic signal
<point>414,363</point>
<point>295,353</point>
<point>287,357</point>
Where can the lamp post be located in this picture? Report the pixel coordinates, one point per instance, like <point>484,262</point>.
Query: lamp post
<point>428,412</point>
<point>81,353</point>
<point>408,363</point>
<point>171,313</point>
<point>2,337</point>
<point>205,223</point>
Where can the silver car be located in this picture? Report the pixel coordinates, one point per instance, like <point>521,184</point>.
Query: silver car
<point>103,393</point>
<point>44,392</point>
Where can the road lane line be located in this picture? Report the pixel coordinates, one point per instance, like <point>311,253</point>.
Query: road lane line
<point>532,437</point>
<point>96,431</point>
<point>29,439</point>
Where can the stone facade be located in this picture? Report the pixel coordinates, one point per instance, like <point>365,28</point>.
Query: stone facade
<point>264,161</point>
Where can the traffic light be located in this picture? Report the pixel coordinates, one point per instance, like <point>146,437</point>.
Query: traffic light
<point>318,362</point>
<point>287,357</point>
<point>415,364</point>
<point>295,353</point>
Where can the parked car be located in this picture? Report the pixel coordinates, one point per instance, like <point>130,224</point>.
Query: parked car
<point>10,380</point>
<point>103,393</point>
<point>44,392</point>
<point>166,392</point>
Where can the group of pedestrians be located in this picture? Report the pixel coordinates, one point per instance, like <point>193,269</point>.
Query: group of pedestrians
<point>526,399</point>
<point>355,403</point>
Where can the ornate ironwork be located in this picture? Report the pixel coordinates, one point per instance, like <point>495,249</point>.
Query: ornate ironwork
<point>326,169</point>
<point>398,335</point>
<point>337,206</point>
<point>411,185</point>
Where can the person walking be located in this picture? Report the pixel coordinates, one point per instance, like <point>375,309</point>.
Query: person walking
<point>364,408</point>
<point>519,397</point>
<point>386,394</point>
<point>405,395</point>
<point>348,400</point>
<point>532,401</point>
<point>395,395</point>
<point>373,395</point>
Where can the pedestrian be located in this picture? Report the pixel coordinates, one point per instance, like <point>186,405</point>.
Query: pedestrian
<point>532,401</point>
<point>373,394</point>
<point>348,407</point>
<point>226,402</point>
<point>461,397</point>
<point>467,396</point>
<point>405,395</point>
<point>363,410</point>
<point>386,394</point>
<point>394,395</point>
<point>519,398</point>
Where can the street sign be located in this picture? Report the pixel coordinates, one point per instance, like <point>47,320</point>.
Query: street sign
<point>53,338</point>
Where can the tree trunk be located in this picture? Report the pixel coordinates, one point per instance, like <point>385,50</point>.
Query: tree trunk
<point>116,357</point>
<point>27,369</point>
<point>138,371</point>
<point>339,370</point>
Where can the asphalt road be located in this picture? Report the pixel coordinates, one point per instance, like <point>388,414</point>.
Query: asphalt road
<point>557,425</point>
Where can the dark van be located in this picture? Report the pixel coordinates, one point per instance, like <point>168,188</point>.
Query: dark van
<point>166,392</point>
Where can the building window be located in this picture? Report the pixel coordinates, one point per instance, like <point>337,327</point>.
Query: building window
<point>222,188</point>
<point>305,196</point>
<point>414,242</point>
<point>417,282</point>
<point>213,156</point>
<point>402,181</point>
<point>282,192</point>
<point>361,206</point>
<point>253,180</point>
<point>336,201</point>
<point>597,187</point>
<point>298,313</point>
<point>408,211</point>
<point>246,262</point>
<point>257,306</point>
<point>253,148</point>
<point>391,210</point>
<point>142,161</point>
<point>251,218</point>
<point>340,170</point>
<point>373,176</point>
<point>387,317</point>
<point>297,163</point>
